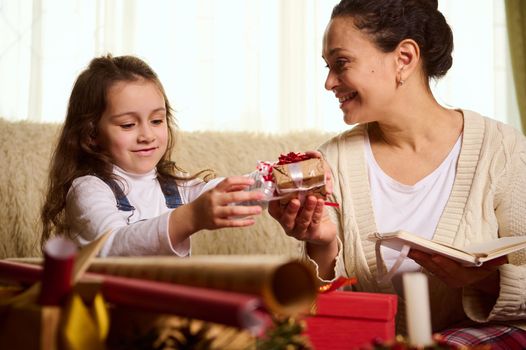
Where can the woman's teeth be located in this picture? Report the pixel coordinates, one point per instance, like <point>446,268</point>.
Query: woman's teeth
<point>348,97</point>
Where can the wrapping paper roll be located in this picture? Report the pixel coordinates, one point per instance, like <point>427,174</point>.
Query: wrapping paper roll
<point>287,286</point>
<point>57,277</point>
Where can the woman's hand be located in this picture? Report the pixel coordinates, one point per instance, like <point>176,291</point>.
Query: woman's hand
<point>484,278</point>
<point>309,223</point>
<point>222,206</point>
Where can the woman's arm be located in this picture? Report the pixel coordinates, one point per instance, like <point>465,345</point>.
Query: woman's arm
<point>311,224</point>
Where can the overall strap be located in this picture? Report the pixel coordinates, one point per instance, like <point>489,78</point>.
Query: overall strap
<point>171,193</point>
<point>122,201</point>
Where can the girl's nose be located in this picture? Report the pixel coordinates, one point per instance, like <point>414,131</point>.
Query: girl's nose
<point>146,134</point>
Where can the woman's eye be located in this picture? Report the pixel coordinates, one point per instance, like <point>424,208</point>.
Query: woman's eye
<point>340,64</point>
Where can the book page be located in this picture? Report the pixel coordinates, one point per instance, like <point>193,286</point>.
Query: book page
<point>495,246</point>
<point>473,254</point>
<point>396,240</point>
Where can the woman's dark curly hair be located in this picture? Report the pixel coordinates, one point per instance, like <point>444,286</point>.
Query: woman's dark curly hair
<point>388,22</point>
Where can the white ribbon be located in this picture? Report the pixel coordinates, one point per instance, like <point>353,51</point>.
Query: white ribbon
<point>384,276</point>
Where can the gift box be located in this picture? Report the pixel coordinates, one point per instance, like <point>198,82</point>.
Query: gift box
<point>308,173</point>
<point>347,320</point>
<point>296,175</point>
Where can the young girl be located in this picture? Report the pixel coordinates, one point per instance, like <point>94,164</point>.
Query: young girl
<point>112,170</point>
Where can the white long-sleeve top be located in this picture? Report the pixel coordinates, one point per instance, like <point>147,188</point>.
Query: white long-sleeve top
<point>91,210</point>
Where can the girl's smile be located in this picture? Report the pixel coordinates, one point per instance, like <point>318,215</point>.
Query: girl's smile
<point>145,152</point>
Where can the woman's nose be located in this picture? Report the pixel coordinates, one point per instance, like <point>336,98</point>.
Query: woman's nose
<point>331,81</point>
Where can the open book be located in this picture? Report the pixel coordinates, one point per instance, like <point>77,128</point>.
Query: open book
<point>471,255</point>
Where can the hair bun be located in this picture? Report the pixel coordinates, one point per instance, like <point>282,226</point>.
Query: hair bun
<point>432,3</point>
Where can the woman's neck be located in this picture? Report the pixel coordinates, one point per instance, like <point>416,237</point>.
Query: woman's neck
<point>417,128</point>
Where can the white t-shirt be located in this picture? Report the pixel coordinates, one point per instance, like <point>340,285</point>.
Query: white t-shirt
<point>413,208</point>
<point>91,210</point>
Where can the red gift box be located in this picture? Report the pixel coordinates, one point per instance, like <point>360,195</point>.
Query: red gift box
<point>347,320</point>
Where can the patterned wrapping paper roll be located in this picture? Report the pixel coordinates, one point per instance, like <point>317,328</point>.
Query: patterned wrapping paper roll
<point>287,286</point>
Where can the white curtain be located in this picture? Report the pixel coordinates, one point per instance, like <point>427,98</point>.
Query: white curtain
<point>246,65</point>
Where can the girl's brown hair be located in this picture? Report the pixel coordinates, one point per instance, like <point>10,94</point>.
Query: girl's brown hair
<point>76,154</point>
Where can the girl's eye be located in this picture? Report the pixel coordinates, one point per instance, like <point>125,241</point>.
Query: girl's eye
<point>158,121</point>
<point>127,126</point>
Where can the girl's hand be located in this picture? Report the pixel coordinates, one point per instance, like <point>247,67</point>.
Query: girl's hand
<point>455,275</point>
<point>219,207</point>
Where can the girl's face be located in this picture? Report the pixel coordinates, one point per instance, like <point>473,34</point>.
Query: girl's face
<point>362,77</point>
<point>133,129</point>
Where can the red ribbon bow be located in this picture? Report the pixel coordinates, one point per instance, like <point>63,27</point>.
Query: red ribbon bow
<point>292,157</point>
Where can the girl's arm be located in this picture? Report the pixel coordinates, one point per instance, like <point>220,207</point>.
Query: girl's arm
<point>216,209</point>
<point>91,210</point>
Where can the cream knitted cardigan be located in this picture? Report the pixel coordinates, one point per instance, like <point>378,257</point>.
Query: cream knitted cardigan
<point>488,199</point>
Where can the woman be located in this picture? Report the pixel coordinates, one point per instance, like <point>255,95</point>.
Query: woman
<point>445,174</point>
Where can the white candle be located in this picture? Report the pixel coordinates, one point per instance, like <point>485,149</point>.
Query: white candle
<point>418,315</point>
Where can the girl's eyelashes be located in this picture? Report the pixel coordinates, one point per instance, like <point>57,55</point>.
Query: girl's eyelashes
<point>158,119</point>
<point>127,125</point>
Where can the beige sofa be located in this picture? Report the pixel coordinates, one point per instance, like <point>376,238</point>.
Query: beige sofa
<point>24,157</point>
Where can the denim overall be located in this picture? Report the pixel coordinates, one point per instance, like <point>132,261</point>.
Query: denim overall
<point>169,188</point>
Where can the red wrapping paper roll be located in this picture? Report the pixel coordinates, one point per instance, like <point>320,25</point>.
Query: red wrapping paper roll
<point>59,259</point>
<point>229,308</point>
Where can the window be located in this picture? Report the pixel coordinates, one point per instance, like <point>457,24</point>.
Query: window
<point>250,65</point>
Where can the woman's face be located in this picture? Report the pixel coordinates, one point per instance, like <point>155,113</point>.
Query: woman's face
<point>362,77</point>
